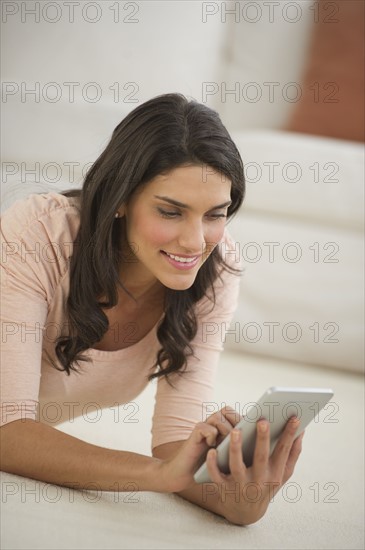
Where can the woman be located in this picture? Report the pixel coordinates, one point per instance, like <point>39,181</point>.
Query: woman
<point>111,287</point>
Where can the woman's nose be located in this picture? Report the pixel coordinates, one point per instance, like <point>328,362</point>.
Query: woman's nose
<point>191,238</point>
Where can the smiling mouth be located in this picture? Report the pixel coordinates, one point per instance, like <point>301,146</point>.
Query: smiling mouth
<point>181,259</point>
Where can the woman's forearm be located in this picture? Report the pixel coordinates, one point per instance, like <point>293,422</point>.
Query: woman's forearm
<point>35,450</point>
<point>205,495</point>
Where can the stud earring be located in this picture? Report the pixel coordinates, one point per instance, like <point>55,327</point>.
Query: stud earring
<point>117,215</point>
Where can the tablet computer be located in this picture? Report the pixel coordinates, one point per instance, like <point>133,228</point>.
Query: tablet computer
<point>277,405</point>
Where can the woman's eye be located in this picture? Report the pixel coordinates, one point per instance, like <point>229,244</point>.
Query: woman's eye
<point>216,216</point>
<point>168,213</point>
<point>173,214</point>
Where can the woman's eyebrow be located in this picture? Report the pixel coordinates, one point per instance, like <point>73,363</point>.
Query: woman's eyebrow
<point>182,205</point>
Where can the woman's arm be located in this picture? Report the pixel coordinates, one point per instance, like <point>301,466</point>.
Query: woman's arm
<point>38,451</point>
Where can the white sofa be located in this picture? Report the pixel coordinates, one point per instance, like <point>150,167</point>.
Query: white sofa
<point>299,320</point>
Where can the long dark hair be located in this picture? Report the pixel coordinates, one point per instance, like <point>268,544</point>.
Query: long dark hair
<point>161,134</point>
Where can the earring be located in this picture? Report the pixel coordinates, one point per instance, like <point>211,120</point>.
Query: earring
<point>117,215</point>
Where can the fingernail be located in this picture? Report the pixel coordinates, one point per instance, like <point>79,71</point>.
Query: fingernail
<point>235,435</point>
<point>263,427</point>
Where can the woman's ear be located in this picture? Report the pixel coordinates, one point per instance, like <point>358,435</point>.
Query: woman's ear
<point>120,212</point>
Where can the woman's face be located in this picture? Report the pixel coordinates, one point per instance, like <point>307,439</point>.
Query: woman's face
<point>172,225</point>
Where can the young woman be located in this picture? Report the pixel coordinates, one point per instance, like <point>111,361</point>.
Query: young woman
<point>107,288</point>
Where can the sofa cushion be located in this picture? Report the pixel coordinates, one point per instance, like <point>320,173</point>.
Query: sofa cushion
<point>309,178</point>
<point>300,235</point>
<point>301,295</point>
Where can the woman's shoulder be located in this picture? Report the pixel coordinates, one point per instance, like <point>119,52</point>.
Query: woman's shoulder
<point>52,215</point>
<point>38,237</point>
<point>39,206</point>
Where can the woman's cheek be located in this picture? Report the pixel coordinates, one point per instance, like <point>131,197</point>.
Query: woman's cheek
<point>213,237</point>
<point>215,233</point>
<point>158,234</point>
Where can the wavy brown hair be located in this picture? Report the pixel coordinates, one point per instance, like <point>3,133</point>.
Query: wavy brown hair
<point>161,134</point>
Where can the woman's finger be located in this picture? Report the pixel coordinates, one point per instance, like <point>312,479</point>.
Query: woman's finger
<point>226,415</point>
<point>262,449</point>
<point>204,431</point>
<point>236,465</point>
<point>223,428</point>
<point>293,457</point>
<point>212,465</point>
<point>224,420</point>
<point>283,447</point>
<point>231,415</point>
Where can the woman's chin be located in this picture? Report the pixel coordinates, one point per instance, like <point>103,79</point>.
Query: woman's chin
<point>178,283</point>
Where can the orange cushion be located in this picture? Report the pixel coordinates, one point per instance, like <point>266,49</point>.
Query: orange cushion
<point>332,102</point>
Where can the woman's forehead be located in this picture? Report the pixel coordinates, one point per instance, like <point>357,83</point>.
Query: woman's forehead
<point>191,178</point>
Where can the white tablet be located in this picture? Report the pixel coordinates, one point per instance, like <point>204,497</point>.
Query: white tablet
<point>277,405</point>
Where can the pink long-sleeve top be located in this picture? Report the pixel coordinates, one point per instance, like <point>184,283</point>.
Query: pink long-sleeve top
<point>37,236</point>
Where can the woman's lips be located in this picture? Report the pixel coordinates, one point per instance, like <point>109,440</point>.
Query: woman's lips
<point>181,261</point>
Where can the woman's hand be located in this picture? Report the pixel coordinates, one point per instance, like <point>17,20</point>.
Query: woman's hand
<point>178,471</point>
<point>245,493</point>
